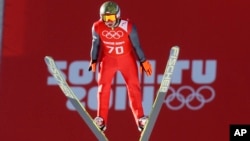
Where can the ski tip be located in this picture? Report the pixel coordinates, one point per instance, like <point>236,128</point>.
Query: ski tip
<point>176,46</point>
<point>175,50</point>
<point>47,59</point>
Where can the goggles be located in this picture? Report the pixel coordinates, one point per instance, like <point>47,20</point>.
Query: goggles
<point>106,18</point>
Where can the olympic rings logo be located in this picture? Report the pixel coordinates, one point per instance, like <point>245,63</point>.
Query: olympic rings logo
<point>188,98</point>
<point>112,34</point>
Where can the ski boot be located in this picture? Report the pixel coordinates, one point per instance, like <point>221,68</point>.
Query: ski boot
<point>142,123</point>
<point>100,123</point>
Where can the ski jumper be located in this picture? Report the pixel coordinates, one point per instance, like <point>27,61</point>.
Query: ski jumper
<point>116,50</point>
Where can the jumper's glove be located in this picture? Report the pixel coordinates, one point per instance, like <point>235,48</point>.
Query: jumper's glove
<point>146,66</point>
<point>92,66</point>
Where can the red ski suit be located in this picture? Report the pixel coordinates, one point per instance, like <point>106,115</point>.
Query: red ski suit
<point>115,50</point>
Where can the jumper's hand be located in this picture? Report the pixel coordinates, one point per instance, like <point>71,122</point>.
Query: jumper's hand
<point>146,66</point>
<point>92,66</point>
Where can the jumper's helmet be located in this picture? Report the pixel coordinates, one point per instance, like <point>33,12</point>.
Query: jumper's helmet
<point>110,13</point>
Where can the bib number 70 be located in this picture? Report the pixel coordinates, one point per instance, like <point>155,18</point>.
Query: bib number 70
<point>117,50</point>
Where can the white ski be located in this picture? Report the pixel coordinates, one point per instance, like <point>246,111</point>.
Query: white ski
<point>161,94</point>
<point>73,99</point>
